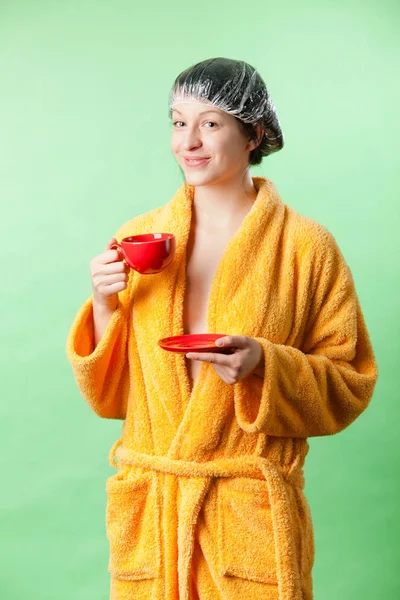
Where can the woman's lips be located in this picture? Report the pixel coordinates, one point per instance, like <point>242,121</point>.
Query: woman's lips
<point>196,163</point>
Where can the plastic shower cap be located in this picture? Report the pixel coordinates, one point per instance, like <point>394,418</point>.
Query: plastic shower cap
<point>234,87</point>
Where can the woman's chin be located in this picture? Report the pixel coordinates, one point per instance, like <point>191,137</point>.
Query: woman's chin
<point>199,178</point>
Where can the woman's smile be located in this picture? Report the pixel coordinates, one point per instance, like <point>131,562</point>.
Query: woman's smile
<point>196,162</point>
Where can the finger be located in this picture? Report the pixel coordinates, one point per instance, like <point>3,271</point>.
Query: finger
<point>115,267</point>
<point>111,255</point>
<point>211,357</point>
<point>112,241</point>
<point>238,341</point>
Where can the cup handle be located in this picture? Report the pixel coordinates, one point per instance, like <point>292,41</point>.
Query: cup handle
<point>117,246</point>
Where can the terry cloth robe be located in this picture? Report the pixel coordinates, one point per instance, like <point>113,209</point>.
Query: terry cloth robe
<point>207,499</point>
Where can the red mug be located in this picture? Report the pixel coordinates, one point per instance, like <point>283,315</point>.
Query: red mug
<point>148,252</point>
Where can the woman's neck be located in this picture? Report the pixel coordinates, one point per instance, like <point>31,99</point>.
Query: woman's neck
<point>221,205</point>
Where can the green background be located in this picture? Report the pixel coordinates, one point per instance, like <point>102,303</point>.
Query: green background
<point>85,146</point>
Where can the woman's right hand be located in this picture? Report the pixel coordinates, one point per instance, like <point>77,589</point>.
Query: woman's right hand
<point>109,276</point>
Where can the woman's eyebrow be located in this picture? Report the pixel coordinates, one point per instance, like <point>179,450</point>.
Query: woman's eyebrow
<point>202,113</point>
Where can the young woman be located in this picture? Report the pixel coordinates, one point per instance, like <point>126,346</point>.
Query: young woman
<point>207,502</point>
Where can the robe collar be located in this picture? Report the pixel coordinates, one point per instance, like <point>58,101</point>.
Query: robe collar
<point>235,264</point>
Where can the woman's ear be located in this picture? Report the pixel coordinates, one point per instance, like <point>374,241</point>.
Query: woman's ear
<point>253,143</point>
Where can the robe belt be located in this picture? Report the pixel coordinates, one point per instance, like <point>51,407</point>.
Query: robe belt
<point>256,467</point>
<point>242,466</point>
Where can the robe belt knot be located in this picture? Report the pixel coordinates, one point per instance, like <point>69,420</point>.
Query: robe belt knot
<point>243,466</point>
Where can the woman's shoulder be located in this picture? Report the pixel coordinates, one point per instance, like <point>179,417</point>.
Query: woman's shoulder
<point>317,251</point>
<point>311,236</point>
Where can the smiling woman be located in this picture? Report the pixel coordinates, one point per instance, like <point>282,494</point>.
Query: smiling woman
<point>208,501</point>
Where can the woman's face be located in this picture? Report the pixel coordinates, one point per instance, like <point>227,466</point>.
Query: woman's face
<point>202,130</point>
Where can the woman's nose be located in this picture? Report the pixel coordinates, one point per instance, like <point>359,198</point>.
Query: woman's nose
<point>192,139</point>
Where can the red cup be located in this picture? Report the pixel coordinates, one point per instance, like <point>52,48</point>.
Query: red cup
<point>146,253</point>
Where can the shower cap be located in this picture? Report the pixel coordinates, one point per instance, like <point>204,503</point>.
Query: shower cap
<point>235,87</point>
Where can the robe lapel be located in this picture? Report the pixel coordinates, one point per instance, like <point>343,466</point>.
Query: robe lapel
<point>156,314</point>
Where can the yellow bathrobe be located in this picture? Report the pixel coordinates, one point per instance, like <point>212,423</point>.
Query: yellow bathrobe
<point>207,501</point>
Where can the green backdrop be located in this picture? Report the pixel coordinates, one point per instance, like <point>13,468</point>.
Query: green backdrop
<point>85,146</point>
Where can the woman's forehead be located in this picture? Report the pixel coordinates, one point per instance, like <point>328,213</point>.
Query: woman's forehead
<point>206,107</point>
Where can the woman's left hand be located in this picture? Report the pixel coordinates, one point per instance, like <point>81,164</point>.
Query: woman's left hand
<point>231,368</point>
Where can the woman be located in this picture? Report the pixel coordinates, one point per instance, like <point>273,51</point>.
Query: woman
<point>207,502</point>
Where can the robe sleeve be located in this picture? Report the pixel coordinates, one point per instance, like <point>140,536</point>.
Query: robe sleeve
<point>322,387</point>
<point>102,372</point>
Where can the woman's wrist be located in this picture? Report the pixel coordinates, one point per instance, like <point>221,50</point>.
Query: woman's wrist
<point>259,370</point>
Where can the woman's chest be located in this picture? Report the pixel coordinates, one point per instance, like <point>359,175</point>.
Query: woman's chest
<point>203,256</point>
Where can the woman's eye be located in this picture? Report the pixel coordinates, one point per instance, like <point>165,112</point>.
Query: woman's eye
<point>212,123</point>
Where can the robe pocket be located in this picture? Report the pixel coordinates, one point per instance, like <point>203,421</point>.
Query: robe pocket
<point>246,546</point>
<point>132,526</point>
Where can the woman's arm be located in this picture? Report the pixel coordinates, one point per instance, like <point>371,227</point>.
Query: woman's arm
<point>97,348</point>
<point>101,316</point>
<point>259,370</point>
<point>101,370</point>
<point>323,387</point>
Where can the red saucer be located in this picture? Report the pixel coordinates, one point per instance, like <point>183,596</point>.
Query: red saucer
<point>195,342</point>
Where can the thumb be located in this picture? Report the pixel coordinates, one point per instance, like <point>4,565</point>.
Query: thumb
<point>238,341</point>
